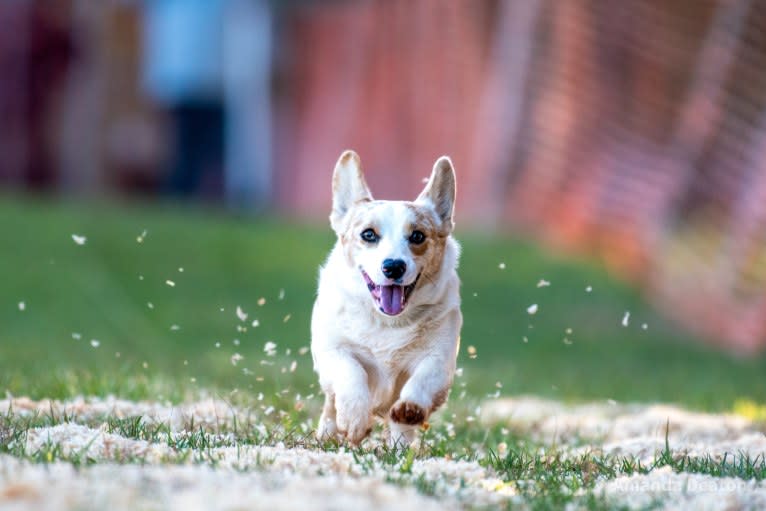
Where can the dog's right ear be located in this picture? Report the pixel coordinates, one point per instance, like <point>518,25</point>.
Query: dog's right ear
<point>348,187</point>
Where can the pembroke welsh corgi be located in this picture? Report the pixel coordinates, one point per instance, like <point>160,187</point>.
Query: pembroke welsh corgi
<point>385,328</point>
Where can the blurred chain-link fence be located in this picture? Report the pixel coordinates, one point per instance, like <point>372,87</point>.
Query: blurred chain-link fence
<point>633,129</point>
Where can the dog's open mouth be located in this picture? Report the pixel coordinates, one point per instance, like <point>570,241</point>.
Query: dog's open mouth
<point>390,298</point>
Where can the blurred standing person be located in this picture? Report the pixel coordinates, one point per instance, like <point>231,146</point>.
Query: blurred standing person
<point>182,72</point>
<point>208,62</point>
<point>36,52</point>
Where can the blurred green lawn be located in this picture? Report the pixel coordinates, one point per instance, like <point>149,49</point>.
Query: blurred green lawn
<point>101,290</point>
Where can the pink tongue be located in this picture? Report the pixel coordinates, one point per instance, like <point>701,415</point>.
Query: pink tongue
<point>391,299</point>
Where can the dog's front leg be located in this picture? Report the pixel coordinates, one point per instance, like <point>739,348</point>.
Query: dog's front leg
<point>347,409</point>
<point>327,427</point>
<point>424,392</point>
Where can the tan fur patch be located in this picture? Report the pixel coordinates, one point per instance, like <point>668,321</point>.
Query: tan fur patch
<point>429,253</point>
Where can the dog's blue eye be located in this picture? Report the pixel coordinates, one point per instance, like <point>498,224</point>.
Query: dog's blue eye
<point>417,237</point>
<point>370,236</point>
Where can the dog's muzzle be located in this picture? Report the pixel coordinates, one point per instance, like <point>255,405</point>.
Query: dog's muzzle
<point>391,299</point>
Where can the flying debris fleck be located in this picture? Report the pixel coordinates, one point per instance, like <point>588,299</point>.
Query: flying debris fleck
<point>181,269</point>
<point>293,366</point>
<point>281,294</point>
<point>255,323</point>
<point>543,283</point>
<point>22,306</point>
<point>626,318</point>
<point>471,351</point>
<point>261,301</point>
<point>170,283</point>
<point>644,326</point>
<point>150,305</point>
<point>95,343</point>
<point>235,358</point>
<point>76,336</point>
<point>501,266</point>
<point>80,240</point>
<point>303,350</point>
<point>270,348</point>
<point>286,319</point>
<point>140,237</point>
<point>174,328</point>
<point>588,289</point>
<point>532,309</point>
<point>242,315</point>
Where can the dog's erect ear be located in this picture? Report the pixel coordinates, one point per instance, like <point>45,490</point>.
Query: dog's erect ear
<point>348,187</point>
<point>440,190</point>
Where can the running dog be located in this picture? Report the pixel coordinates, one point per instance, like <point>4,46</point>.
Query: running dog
<point>385,328</point>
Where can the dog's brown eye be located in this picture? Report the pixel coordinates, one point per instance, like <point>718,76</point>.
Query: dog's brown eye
<point>417,237</point>
<point>370,236</point>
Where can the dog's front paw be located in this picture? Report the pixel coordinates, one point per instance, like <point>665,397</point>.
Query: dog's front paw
<point>407,412</point>
<point>354,422</point>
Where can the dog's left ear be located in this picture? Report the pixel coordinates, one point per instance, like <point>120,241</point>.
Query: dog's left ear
<point>348,187</point>
<point>440,191</point>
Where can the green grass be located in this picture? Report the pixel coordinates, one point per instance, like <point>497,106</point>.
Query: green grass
<point>101,291</point>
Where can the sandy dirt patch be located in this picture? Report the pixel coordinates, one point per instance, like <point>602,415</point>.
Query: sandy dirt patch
<point>126,473</point>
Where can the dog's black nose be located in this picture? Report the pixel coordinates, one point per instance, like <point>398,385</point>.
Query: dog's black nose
<point>394,268</point>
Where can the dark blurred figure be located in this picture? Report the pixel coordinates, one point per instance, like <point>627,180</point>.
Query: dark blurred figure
<point>36,51</point>
<point>183,63</point>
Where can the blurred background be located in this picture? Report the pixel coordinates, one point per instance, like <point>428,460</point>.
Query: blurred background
<point>629,135</point>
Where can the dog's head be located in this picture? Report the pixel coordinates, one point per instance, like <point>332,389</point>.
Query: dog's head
<point>394,246</point>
